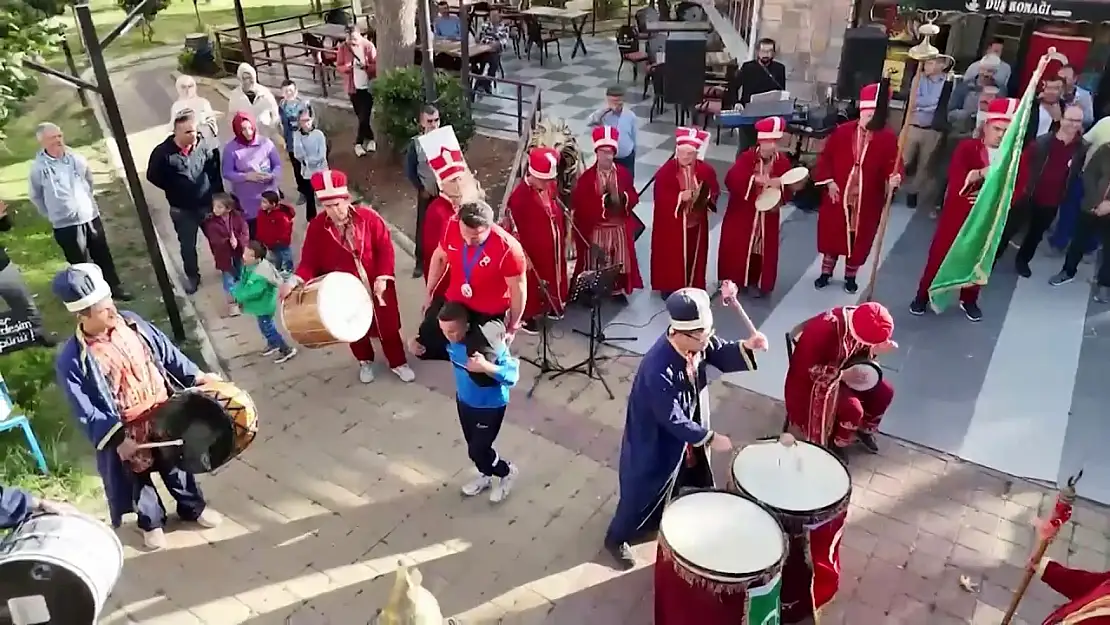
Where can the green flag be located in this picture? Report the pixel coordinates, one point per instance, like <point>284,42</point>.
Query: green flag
<point>971,257</point>
<point>764,603</point>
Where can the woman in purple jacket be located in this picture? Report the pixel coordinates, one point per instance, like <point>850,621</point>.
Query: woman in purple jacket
<point>251,164</point>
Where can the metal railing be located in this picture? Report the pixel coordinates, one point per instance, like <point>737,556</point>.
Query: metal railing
<point>293,23</point>
<point>744,17</point>
<point>520,159</point>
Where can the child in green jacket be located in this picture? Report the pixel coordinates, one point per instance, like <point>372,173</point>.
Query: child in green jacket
<point>257,294</point>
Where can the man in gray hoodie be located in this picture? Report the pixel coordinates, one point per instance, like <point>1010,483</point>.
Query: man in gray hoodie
<point>61,188</point>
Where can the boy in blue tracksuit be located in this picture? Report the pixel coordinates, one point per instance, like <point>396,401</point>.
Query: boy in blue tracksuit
<point>481,403</point>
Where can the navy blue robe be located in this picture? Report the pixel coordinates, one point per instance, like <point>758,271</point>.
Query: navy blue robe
<point>667,410</point>
<point>84,385</point>
<point>15,507</point>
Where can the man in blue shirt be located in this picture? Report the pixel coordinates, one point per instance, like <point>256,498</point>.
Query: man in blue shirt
<point>922,139</point>
<point>624,120</point>
<point>16,506</point>
<point>481,403</point>
<point>448,25</point>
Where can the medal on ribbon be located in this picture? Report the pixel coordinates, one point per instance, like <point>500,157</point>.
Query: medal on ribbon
<point>468,263</point>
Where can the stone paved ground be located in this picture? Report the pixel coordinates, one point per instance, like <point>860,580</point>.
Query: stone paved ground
<point>346,480</point>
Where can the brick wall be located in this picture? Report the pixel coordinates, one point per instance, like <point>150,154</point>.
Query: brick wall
<point>810,35</point>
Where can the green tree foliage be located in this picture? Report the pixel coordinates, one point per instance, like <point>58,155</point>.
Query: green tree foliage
<point>26,32</point>
<point>149,13</point>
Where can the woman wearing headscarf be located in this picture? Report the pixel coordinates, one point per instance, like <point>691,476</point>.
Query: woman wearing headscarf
<point>252,164</point>
<point>187,99</point>
<point>1097,136</point>
<point>259,101</point>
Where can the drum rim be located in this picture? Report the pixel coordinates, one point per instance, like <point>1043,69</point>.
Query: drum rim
<point>806,174</point>
<point>824,511</point>
<point>719,576</point>
<point>772,191</point>
<point>870,363</point>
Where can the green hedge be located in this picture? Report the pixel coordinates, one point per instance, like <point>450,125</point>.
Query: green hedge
<point>399,95</point>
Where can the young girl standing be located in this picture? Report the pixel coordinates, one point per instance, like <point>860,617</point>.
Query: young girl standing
<point>227,234</point>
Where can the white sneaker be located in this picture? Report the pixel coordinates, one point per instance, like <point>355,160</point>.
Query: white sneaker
<point>209,518</point>
<point>286,356</point>
<point>270,351</point>
<point>405,373</point>
<point>366,372</point>
<point>154,539</point>
<point>371,146</point>
<point>477,485</point>
<point>359,150</point>
<point>503,485</point>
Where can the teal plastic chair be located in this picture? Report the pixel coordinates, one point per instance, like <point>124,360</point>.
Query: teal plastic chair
<point>10,421</point>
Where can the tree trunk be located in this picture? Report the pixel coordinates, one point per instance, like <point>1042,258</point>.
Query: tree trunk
<point>395,22</point>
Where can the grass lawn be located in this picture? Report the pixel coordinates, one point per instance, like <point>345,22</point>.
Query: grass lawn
<point>179,19</point>
<point>30,373</point>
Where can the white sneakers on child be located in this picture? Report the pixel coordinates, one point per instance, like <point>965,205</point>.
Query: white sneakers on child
<point>155,539</point>
<point>501,486</point>
<point>366,372</point>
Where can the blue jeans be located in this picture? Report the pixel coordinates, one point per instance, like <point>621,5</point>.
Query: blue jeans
<point>283,258</point>
<point>274,339</point>
<point>231,278</point>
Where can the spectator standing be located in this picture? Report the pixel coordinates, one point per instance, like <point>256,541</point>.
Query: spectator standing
<point>922,137</point>
<point>290,107</point>
<point>275,229</point>
<point>1001,73</point>
<point>187,98</point>
<point>421,177</point>
<point>226,231</point>
<point>1045,117</point>
<point>494,33</point>
<point>357,60</point>
<point>310,147</point>
<point>258,100</point>
<point>14,291</point>
<point>624,120</point>
<point>1093,224</point>
<point>251,164</point>
<point>447,25</point>
<point>1076,95</point>
<point>61,188</point>
<point>188,171</point>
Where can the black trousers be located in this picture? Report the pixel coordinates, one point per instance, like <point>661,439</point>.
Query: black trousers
<point>87,243</point>
<point>422,202</point>
<point>187,226</point>
<point>1035,220</point>
<point>363,102</point>
<point>485,334</point>
<point>182,486</point>
<point>1090,226</point>
<point>629,163</point>
<point>298,176</point>
<point>480,427</point>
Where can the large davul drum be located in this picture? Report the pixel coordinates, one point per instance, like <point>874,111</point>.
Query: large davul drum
<point>58,568</point>
<point>719,562</point>
<point>807,488</point>
<point>215,422</point>
<point>334,308</point>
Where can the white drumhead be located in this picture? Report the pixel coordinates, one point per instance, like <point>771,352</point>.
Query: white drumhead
<point>722,532</point>
<point>870,376</point>
<point>345,307</point>
<point>800,478</point>
<point>768,199</point>
<point>796,175</point>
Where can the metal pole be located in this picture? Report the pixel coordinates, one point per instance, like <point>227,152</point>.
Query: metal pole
<point>426,50</point>
<point>464,49</point>
<point>125,25</point>
<point>244,40</point>
<point>131,173</point>
<point>71,64</point>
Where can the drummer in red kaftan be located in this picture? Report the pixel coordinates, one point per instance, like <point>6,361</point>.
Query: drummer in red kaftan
<point>820,407</point>
<point>685,190</point>
<point>1087,592</point>
<point>857,168</point>
<point>748,253</point>
<point>448,167</point>
<point>602,203</point>
<point>355,239</point>
<point>966,172</point>
<point>536,216</point>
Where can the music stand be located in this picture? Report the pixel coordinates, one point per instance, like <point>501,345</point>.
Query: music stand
<point>544,361</point>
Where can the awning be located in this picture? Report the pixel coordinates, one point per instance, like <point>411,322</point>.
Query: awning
<point>1075,10</point>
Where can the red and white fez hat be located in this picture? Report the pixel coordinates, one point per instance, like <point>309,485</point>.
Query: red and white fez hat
<point>870,323</point>
<point>445,157</point>
<point>543,163</point>
<point>1002,110</point>
<point>330,184</point>
<point>869,97</point>
<point>770,129</point>
<point>690,138</point>
<point>605,137</point>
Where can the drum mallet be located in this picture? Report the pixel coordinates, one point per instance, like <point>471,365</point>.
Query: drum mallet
<point>159,444</point>
<point>730,299</point>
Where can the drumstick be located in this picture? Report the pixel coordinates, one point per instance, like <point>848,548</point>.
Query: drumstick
<point>743,313</point>
<point>158,444</point>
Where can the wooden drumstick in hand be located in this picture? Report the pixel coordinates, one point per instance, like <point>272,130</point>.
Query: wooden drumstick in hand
<point>729,294</point>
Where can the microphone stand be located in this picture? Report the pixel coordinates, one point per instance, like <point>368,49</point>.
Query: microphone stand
<point>543,361</point>
<point>594,289</point>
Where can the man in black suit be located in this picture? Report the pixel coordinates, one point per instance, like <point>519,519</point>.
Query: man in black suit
<point>760,75</point>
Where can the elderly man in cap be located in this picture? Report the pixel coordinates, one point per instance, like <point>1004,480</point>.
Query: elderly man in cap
<point>623,119</point>
<point>115,371</point>
<point>667,433</point>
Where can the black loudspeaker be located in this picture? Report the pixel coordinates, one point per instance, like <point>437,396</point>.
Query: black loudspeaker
<point>684,69</point>
<point>861,61</point>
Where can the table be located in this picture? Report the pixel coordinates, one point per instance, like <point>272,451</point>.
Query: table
<point>454,48</point>
<point>575,17</point>
<point>666,26</point>
<point>718,59</point>
<point>332,31</point>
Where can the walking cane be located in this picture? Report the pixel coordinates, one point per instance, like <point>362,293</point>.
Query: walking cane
<point>1061,513</point>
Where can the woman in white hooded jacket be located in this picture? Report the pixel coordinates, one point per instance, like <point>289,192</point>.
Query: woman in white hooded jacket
<point>256,99</point>
<point>187,98</point>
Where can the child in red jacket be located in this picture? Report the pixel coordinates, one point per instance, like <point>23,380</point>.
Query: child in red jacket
<point>274,229</point>
<point>227,234</point>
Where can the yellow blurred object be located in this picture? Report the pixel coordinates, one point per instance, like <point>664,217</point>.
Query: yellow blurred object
<point>409,602</point>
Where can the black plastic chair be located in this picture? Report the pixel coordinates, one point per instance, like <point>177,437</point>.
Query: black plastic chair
<point>629,48</point>
<point>540,38</point>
